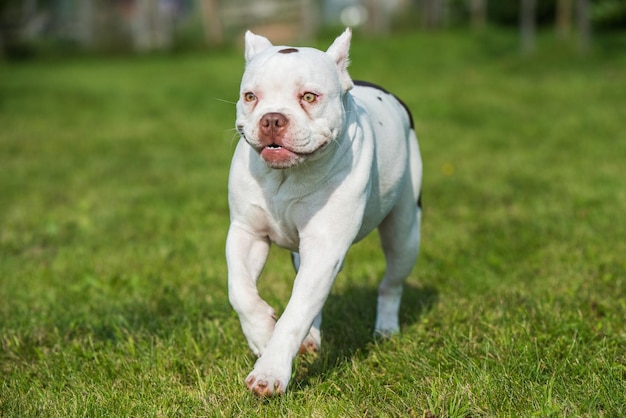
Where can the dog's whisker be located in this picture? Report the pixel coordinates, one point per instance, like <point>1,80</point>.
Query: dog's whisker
<point>235,137</point>
<point>225,101</point>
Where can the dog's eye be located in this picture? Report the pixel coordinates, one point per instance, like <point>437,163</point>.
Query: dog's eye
<point>309,97</point>
<point>249,96</point>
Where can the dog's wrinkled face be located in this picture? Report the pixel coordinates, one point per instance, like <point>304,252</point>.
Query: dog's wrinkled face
<point>290,107</point>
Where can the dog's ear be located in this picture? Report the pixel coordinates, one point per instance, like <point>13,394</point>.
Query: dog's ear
<point>255,44</point>
<point>338,51</point>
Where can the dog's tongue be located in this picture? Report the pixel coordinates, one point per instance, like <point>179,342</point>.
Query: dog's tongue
<point>278,157</point>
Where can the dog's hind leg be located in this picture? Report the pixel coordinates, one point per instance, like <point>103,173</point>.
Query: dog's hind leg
<point>313,341</point>
<point>400,239</point>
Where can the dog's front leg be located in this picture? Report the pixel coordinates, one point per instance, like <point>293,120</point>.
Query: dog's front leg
<point>314,280</point>
<point>246,254</point>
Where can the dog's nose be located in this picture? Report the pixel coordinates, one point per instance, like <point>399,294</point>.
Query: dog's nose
<point>273,124</point>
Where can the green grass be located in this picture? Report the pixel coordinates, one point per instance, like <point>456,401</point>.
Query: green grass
<point>113,216</point>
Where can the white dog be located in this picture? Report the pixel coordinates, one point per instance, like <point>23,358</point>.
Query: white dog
<point>322,161</point>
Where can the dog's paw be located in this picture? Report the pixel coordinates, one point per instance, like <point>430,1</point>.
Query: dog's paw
<point>309,346</point>
<point>312,342</point>
<point>387,323</point>
<point>264,387</point>
<point>385,333</point>
<point>267,383</point>
<point>386,327</point>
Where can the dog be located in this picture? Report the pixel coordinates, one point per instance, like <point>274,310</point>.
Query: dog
<point>322,161</point>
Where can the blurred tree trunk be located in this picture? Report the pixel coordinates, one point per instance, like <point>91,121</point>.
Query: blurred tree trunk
<point>29,8</point>
<point>309,18</point>
<point>563,18</point>
<point>379,18</point>
<point>432,13</point>
<point>86,23</point>
<point>152,27</point>
<point>426,11</point>
<point>212,21</point>
<point>142,25</point>
<point>478,14</point>
<point>584,26</point>
<point>527,25</point>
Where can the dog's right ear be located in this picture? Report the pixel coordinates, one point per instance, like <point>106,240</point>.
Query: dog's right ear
<point>255,44</point>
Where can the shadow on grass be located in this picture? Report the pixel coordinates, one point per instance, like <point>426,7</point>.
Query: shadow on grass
<point>348,326</point>
<point>196,330</point>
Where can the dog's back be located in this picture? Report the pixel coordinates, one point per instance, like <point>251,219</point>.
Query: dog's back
<point>394,130</point>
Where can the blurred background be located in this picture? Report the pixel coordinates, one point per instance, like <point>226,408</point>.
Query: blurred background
<point>34,27</point>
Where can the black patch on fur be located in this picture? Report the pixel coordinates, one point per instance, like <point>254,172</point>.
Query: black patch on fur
<point>375,86</point>
<point>288,51</point>
<point>408,111</point>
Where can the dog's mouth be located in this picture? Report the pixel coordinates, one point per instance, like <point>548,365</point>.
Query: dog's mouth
<point>277,156</point>
<point>273,147</point>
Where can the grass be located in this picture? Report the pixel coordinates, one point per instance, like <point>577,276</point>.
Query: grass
<point>114,215</point>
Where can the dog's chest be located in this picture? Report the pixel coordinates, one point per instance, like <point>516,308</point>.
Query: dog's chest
<point>284,215</point>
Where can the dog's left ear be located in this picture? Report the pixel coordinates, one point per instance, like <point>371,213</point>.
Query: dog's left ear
<point>338,51</point>
<point>255,44</point>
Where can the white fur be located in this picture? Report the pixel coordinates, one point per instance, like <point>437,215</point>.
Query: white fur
<point>352,165</point>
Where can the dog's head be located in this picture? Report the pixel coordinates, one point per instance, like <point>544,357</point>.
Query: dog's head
<point>291,105</point>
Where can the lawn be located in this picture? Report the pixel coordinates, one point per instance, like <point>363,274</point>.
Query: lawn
<point>113,217</point>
